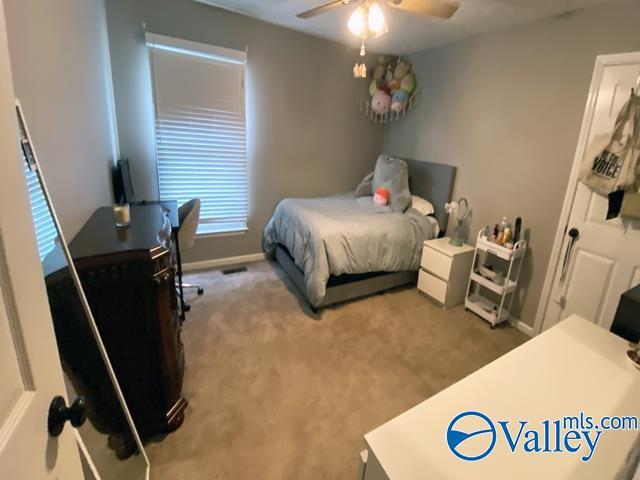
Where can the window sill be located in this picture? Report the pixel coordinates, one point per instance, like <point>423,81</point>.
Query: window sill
<point>230,233</point>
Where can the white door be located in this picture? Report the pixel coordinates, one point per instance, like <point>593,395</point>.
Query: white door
<point>605,258</point>
<point>29,364</point>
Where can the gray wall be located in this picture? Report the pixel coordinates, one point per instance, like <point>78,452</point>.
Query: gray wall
<point>306,136</point>
<point>506,108</point>
<point>61,74</point>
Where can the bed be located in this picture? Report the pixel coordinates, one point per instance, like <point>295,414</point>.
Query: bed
<point>341,247</point>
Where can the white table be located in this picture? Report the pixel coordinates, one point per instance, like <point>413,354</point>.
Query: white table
<point>575,366</point>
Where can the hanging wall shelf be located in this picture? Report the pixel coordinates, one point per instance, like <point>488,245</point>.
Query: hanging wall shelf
<point>389,116</point>
<point>393,90</point>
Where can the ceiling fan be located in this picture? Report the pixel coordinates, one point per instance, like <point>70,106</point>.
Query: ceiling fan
<point>368,18</point>
<point>432,8</point>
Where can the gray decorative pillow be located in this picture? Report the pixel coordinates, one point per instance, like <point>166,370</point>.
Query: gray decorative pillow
<point>364,189</point>
<point>393,174</point>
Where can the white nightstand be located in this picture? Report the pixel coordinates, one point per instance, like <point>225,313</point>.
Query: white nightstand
<point>444,272</point>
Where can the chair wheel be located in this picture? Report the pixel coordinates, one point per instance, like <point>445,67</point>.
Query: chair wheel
<point>200,291</point>
<point>187,307</point>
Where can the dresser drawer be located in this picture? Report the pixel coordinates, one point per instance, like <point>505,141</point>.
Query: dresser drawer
<point>436,262</point>
<point>432,286</point>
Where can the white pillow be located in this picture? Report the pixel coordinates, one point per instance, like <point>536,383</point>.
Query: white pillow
<point>423,206</point>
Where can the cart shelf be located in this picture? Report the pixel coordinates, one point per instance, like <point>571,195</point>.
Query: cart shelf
<point>482,243</point>
<point>500,311</point>
<point>485,308</point>
<point>509,286</point>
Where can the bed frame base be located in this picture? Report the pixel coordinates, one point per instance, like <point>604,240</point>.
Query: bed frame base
<point>344,287</point>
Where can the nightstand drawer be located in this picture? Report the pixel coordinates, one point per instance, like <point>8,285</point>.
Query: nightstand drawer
<point>432,286</point>
<point>436,262</point>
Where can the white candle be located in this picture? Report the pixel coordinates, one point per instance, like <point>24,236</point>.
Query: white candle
<point>122,215</point>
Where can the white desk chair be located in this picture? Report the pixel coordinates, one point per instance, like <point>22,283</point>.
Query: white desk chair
<point>189,215</point>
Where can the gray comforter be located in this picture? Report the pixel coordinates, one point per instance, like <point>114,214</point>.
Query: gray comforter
<point>343,234</point>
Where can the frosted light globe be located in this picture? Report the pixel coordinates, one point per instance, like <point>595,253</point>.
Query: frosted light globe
<point>377,23</point>
<point>356,21</point>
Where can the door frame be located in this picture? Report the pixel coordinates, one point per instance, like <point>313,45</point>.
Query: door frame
<point>602,61</point>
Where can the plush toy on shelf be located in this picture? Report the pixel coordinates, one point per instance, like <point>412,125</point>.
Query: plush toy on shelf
<point>399,101</point>
<point>380,102</point>
<point>391,89</point>
<point>394,85</point>
<point>379,69</point>
<point>373,87</point>
<point>408,83</point>
<point>402,68</point>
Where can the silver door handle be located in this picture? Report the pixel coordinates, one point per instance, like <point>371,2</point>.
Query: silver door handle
<point>574,234</point>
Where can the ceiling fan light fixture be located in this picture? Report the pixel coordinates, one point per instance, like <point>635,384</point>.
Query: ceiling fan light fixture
<point>356,21</point>
<point>376,20</point>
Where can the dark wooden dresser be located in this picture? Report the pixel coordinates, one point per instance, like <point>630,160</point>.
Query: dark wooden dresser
<point>128,278</point>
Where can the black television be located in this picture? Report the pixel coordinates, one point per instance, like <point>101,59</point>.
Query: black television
<point>122,185</point>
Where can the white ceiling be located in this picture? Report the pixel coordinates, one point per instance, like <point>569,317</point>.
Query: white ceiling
<point>407,33</point>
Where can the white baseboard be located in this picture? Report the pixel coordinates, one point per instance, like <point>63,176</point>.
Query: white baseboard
<point>222,262</point>
<point>523,327</point>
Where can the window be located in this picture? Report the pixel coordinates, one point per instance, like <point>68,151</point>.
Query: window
<point>46,232</point>
<point>201,139</point>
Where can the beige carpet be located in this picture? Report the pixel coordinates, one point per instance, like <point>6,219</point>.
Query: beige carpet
<point>276,393</point>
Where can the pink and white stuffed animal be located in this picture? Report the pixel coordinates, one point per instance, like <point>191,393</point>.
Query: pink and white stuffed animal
<point>381,197</point>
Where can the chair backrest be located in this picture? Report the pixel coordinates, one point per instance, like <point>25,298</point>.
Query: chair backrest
<point>189,215</point>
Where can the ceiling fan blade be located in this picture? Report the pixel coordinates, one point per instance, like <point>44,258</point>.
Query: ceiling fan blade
<point>432,8</point>
<point>323,8</point>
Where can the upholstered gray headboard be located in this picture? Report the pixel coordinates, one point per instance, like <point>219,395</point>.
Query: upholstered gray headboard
<point>433,182</point>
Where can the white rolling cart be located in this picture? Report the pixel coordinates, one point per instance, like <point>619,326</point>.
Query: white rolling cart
<point>496,310</point>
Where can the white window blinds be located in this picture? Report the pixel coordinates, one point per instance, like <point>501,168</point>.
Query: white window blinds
<point>46,233</point>
<point>201,129</point>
